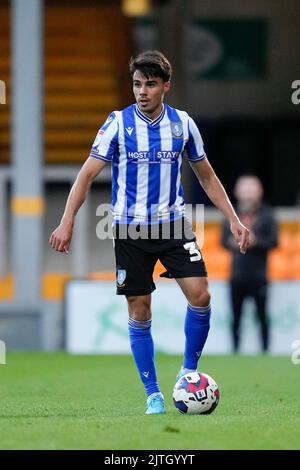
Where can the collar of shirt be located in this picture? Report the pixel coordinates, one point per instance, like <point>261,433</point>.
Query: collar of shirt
<point>145,118</point>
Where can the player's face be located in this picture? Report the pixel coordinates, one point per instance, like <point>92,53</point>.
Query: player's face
<point>149,93</point>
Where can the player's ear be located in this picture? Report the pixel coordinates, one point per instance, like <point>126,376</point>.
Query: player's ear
<point>167,86</point>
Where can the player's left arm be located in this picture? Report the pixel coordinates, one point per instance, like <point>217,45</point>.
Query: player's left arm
<point>217,194</point>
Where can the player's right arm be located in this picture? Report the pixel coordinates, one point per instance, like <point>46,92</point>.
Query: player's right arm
<point>61,237</point>
<point>102,151</point>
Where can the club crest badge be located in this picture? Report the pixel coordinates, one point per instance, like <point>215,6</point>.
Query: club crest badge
<point>121,276</point>
<point>109,120</point>
<point>177,130</point>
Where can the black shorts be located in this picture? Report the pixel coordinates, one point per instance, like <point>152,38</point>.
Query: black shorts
<point>139,247</point>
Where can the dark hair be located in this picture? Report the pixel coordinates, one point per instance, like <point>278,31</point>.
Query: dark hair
<point>151,64</point>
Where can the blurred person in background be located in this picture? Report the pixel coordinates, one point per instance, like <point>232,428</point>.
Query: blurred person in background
<point>249,273</point>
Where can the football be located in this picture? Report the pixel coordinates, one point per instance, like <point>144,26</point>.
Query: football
<point>196,393</point>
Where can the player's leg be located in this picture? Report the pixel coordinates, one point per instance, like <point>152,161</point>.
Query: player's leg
<point>197,319</point>
<point>183,260</point>
<point>237,297</point>
<point>134,280</point>
<point>142,347</point>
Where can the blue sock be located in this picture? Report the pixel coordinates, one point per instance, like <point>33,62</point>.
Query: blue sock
<point>196,329</point>
<point>142,348</point>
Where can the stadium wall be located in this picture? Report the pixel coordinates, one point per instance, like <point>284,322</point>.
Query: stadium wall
<point>264,95</point>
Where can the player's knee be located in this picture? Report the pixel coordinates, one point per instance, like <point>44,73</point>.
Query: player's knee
<point>201,299</point>
<point>139,308</point>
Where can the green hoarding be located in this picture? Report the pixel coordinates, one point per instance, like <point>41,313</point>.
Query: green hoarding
<point>227,48</point>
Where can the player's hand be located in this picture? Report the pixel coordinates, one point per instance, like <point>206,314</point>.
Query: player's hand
<point>60,238</point>
<point>241,235</point>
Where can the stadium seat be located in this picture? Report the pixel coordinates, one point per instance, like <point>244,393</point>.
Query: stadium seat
<point>83,64</point>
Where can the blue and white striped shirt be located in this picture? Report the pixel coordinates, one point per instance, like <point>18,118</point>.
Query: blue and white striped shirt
<point>146,157</point>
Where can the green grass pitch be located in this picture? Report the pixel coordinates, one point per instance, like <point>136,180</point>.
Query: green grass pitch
<point>58,401</point>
